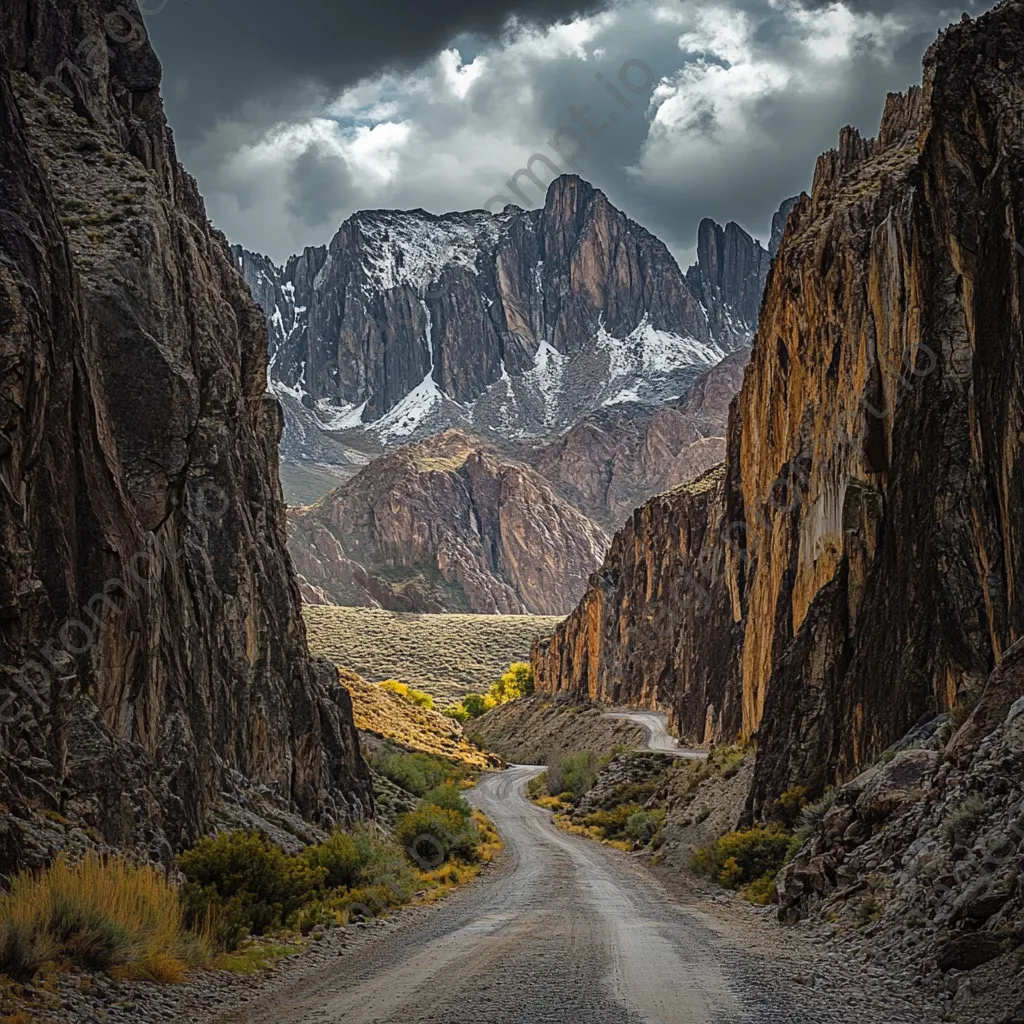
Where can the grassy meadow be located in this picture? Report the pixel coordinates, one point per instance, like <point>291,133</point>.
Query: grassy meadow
<point>447,656</point>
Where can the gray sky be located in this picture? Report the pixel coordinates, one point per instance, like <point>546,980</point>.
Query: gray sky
<point>292,115</point>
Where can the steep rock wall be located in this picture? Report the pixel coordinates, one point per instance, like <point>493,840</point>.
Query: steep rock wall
<point>870,548</point>
<point>637,636</point>
<point>153,654</point>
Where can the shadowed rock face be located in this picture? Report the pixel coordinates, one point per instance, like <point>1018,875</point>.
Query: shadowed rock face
<point>139,468</point>
<point>873,486</point>
<point>446,525</point>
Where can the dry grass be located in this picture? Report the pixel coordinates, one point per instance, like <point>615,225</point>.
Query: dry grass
<point>386,714</point>
<point>106,913</point>
<point>446,656</point>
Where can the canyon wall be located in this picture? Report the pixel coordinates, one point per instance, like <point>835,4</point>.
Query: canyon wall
<point>153,657</point>
<point>870,549</point>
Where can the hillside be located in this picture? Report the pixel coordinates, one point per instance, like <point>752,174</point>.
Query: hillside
<point>389,717</point>
<point>446,525</point>
<point>446,656</point>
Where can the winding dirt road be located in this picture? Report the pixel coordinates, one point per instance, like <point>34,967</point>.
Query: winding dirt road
<point>655,724</point>
<point>564,930</point>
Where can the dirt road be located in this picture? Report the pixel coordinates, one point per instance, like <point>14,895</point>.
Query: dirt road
<point>568,931</point>
<point>655,724</point>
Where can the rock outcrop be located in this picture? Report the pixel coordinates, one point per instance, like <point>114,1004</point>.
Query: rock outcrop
<point>446,524</point>
<point>870,550</point>
<point>153,657</point>
<point>918,858</point>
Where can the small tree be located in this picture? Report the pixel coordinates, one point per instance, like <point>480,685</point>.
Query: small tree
<point>476,704</point>
<point>516,683</point>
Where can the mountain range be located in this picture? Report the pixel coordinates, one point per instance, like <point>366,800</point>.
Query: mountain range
<point>559,354</point>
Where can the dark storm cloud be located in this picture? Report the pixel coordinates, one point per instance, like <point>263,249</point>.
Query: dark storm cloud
<point>260,60</point>
<point>319,182</point>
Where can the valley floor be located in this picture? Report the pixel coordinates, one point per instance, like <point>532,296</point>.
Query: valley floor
<point>564,929</point>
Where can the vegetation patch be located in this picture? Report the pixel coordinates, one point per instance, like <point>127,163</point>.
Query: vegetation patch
<point>748,860</point>
<point>447,656</point>
<point>99,914</point>
<point>516,684</point>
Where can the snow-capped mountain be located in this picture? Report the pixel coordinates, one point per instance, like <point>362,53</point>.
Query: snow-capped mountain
<point>515,325</point>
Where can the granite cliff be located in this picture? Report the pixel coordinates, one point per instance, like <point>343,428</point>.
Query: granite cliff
<point>858,563</point>
<point>154,660</point>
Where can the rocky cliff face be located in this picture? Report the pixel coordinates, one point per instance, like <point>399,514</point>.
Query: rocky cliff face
<point>649,632</point>
<point>516,325</point>
<point>871,549</point>
<point>446,524</point>
<point>153,656</point>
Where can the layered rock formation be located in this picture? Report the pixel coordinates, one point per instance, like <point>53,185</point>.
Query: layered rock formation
<point>517,324</point>
<point>446,524</point>
<point>869,549</point>
<point>153,655</point>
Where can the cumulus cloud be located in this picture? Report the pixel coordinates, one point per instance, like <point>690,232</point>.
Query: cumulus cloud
<point>678,109</point>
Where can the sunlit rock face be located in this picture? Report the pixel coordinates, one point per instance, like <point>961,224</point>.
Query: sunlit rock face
<point>870,549</point>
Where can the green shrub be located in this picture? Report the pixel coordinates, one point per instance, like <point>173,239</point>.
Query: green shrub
<point>339,857</point>
<point>788,807</point>
<point>417,773</point>
<point>247,882</point>
<point>572,773</point>
<point>449,798</point>
<point>415,697</point>
<point>458,712</point>
<point>739,858</point>
<point>477,704</point>
<point>642,826</point>
<point>537,785</point>
<point>431,835</point>
<point>388,867</point>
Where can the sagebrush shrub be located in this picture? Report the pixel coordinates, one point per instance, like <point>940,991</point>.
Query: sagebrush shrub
<point>431,835</point>
<point>449,798</point>
<point>739,858</point>
<point>249,883</point>
<point>572,773</point>
<point>339,857</point>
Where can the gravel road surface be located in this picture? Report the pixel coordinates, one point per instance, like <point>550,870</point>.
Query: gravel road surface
<point>658,737</point>
<point>566,930</point>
